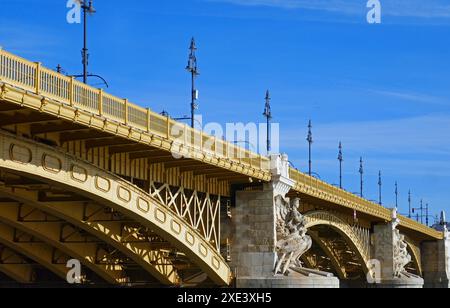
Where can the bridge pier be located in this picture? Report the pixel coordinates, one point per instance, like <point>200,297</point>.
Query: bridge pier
<point>390,256</point>
<point>436,261</point>
<point>254,239</point>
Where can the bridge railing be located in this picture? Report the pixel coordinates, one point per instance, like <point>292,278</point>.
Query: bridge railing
<point>308,183</point>
<point>311,185</point>
<point>35,78</point>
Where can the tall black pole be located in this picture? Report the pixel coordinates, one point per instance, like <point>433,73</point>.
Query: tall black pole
<point>380,185</point>
<point>87,9</point>
<point>341,159</point>
<point>193,69</point>
<point>426,215</point>
<point>409,204</point>
<point>421,211</point>
<point>396,195</point>
<point>361,172</point>
<point>268,115</point>
<point>85,50</point>
<point>310,142</point>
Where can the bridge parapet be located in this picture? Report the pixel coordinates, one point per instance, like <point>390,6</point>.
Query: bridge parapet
<point>65,97</point>
<point>182,140</point>
<point>319,189</point>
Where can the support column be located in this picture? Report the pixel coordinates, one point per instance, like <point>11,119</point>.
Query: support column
<point>390,256</point>
<point>436,260</point>
<point>254,239</point>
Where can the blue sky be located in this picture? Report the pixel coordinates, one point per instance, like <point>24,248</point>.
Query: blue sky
<point>383,90</point>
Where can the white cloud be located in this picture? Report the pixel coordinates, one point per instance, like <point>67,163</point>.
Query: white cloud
<point>410,136</point>
<point>405,8</point>
<point>413,97</point>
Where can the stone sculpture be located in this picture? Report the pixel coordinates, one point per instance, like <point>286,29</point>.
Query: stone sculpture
<point>292,240</point>
<point>401,255</point>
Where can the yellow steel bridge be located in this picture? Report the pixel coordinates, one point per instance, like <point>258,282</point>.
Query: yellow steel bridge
<point>135,196</point>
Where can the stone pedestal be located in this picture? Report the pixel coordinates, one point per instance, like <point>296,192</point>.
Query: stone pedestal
<point>293,281</point>
<point>436,262</point>
<point>385,243</point>
<point>254,237</point>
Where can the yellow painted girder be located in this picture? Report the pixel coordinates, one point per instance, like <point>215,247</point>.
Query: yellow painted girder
<point>50,165</point>
<point>321,190</point>
<point>152,261</point>
<point>39,252</point>
<point>50,232</point>
<point>340,269</point>
<point>16,267</point>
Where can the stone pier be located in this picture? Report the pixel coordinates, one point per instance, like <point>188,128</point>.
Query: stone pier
<point>254,240</point>
<point>390,254</point>
<point>436,260</point>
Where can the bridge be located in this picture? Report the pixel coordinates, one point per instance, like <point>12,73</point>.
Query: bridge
<point>141,199</point>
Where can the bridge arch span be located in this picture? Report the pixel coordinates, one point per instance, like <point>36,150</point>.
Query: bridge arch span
<point>50,165</point>
<point>356,238</point>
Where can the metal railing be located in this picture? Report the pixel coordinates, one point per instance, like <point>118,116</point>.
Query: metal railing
<point>35,78</point>
<point>306,183</point>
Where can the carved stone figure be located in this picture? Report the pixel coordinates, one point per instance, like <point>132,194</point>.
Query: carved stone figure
<point>292,241</point>
<point>401,255</point>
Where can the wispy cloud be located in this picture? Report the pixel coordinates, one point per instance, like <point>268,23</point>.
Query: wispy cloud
<point>407,137</point>
<point>403,8</point>
<point>413,97</point>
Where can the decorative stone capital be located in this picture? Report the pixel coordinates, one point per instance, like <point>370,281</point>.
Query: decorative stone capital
<point>394,216</point>
<point>281,185</point>
<point>279,167</point>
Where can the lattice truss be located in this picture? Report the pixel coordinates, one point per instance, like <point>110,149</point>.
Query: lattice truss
<point>199,210</point>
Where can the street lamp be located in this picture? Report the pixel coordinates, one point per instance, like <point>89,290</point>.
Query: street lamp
<point>409,204</point>
<point>310,142</point>
<point>193,69</point>
<point>421,208</point>
<point>380,184</point>
<point>268,115</point>
<point>361,173</point>
<point>396,195</point>
<point>88,9</point>
<point>421,215</point>
<point>341,159</point>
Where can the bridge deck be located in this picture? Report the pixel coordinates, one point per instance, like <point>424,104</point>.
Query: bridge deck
<point>32,86</point>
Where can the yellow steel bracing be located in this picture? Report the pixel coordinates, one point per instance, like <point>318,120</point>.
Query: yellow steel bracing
<point>358,244</point>
<point>340,269</point>
<point>62,99</point>
<point>32,86</point>
<point>414,250</point>
<point>323,191</point>
<point>50,232</point>
<point>39,252</point>
<point>47,164</point>
<point>15,266</point>
<point>151,260</point>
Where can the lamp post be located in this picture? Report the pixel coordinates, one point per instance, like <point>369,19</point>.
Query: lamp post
<point>396,195</point>
<point>193,69</point>
<point>268,115</point>
<point>380,184</point>
<point>340,159</point>
<point>409,204</point>
<point>421,208</point>
<point>361,173</point>
<point>88,9</point>
<point>310,142</point>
